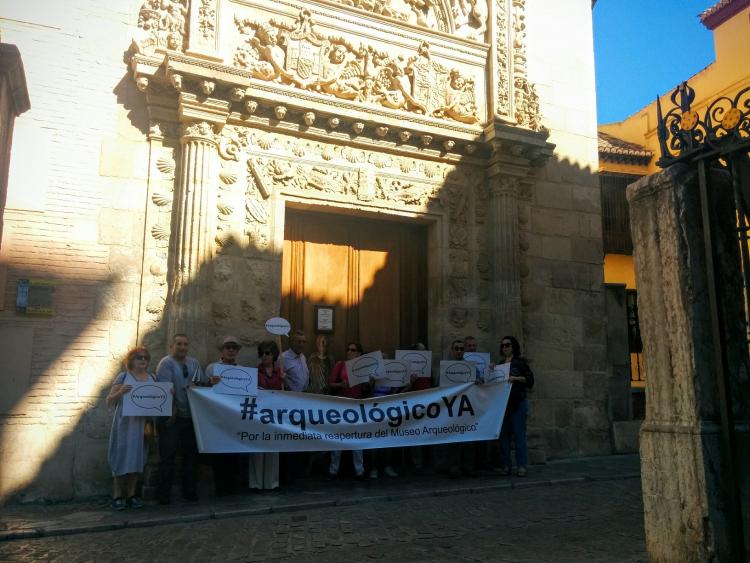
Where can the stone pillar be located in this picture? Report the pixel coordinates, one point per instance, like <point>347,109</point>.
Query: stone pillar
<point>191,243</point>
<point>686,479</point>
<point>504,245</point>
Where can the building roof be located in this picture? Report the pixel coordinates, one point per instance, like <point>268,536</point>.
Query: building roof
<point>612,149</point>
<point>721,12</point>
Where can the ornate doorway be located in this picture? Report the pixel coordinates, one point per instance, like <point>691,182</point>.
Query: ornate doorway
<point>373,273</point>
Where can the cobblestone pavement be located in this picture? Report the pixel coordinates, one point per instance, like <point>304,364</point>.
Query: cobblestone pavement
<point>592,522</point>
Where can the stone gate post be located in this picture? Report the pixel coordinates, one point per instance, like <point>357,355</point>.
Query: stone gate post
<point>685,476</point>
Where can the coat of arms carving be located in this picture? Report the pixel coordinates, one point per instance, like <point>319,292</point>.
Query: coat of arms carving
<point>297,55</point>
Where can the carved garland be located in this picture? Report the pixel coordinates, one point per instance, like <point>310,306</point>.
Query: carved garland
<point>298,56</point>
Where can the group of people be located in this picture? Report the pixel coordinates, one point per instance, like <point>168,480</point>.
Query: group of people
<point>293,371</point>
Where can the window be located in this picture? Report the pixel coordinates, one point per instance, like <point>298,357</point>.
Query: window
<point>615,214</point>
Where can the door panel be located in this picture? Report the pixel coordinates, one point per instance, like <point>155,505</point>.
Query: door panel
<point>371,272</point>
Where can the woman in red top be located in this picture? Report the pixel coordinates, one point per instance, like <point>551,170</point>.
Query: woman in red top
<point>339,384</point>
<point>264,467</point>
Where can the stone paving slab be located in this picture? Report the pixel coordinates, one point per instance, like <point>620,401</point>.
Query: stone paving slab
<point>38,520</point>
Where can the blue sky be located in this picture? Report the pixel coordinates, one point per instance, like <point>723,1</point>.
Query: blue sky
<point>644,48</point>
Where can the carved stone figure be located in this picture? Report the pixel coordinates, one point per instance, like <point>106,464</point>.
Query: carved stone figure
<point>470,18</point>
<point>341,75</point>
<point>460,101</point>
<point>396,92</point>
<point>162,25</point>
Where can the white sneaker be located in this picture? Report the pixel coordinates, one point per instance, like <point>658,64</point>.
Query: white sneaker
<point>373,473</point>
<point>390,471</point>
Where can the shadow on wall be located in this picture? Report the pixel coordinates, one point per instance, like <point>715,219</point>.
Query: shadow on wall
<point>54,441</point>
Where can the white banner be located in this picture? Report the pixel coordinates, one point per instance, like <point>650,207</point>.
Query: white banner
<point>285,421</point>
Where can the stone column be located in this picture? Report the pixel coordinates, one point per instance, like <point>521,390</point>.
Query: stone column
<point>687,481</point>
<point>191,243</point>
<point>504,246</point>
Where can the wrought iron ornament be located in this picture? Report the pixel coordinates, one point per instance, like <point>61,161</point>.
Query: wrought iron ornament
<point>683,134</point>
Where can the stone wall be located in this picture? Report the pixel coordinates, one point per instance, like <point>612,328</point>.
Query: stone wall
<point>561,241</point>
<point>118,138</point>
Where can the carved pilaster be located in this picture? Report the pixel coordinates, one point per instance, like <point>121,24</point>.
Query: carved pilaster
<point>204,23</point>
<point>501,86</point>
<point>504,248</point>
<point>191,243</point>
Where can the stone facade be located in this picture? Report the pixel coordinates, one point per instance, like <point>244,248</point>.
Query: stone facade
<point>151,187</point>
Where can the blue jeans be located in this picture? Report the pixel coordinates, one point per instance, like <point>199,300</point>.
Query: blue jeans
<point>514,426</point>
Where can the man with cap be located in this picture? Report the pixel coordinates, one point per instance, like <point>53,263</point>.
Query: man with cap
<point>226,466</point>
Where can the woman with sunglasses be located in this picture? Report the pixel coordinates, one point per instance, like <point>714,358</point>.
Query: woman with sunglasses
<point>521,379</point>
<point>264,467</point>
<point>339,384</point>
<point>127,445</point>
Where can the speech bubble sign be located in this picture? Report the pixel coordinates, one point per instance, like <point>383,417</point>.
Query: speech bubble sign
<point>456,372</point>
<point>500,374</point>
<point>278,326</point>
<point>361,369</point>
<point>481,361</point>
<point>236,380</point>
<point>419,361</point>
<point>396,373</point>
<point>148,399</point>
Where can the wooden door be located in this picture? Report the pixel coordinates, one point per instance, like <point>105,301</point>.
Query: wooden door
<point>372,272</point>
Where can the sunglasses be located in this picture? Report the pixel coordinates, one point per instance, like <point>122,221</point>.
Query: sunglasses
<point>232,346</point>
<point>506,345</point>
<point>141,357</point>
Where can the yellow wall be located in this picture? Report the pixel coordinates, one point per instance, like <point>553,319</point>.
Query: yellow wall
<point>618,268</point>
<point>729,74</point>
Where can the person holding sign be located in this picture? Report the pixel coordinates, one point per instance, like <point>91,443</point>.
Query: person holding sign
<point>225,466</point>
<point>340,382</point>
<point>127,448</point>
<point>176,433</point>
<point>514,424</point>
<point>460,455</point>
<point>263,470</point>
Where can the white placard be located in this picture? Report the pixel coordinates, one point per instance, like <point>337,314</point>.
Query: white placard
<point>150,398</point>
<point>278,326</point>
<point>419,360</point>
<point>362,368</point>
<point>500,374</point>
<point>236,380</point>
<point>396,373</point>
<point>481,360</point>
<point>456,372</point>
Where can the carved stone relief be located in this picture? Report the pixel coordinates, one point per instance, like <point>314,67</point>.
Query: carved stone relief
<point>296,55</point>
<point>501,41</point>
<point>526,101</point>
<point>162,26</point>
<point>469,17</point>
<point>206,19</point>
